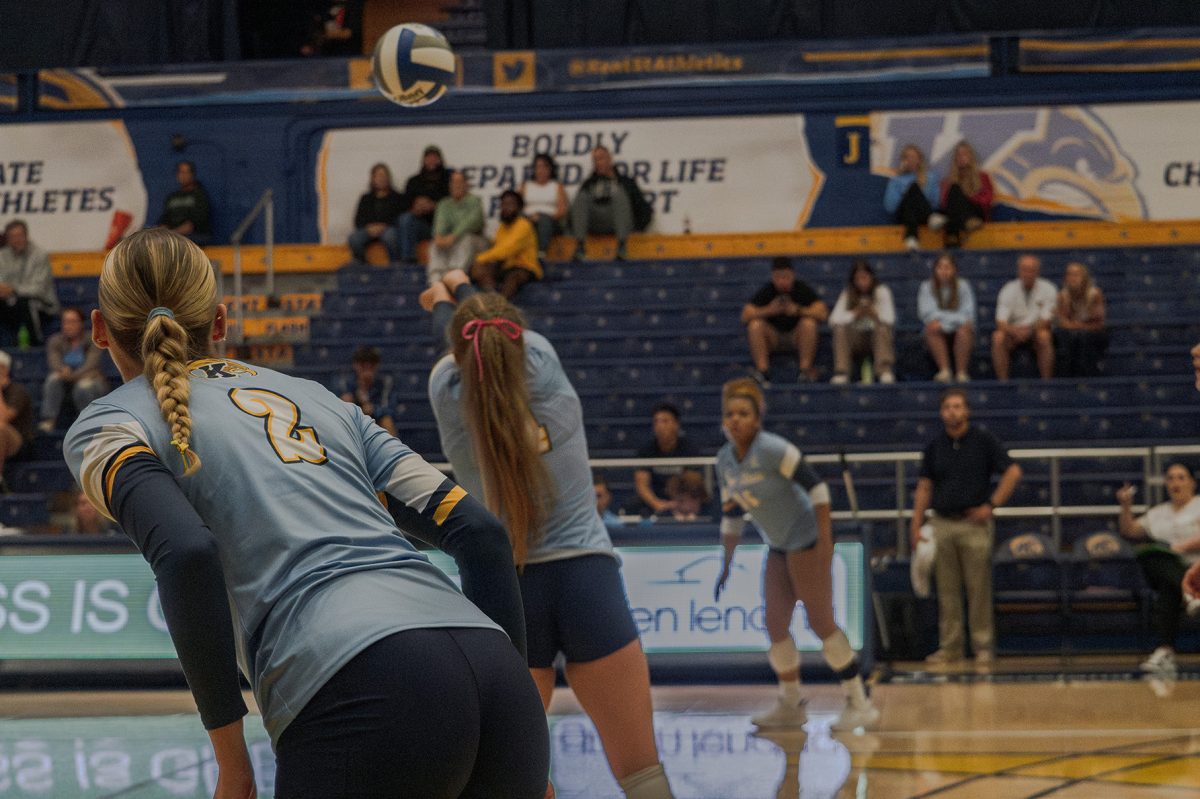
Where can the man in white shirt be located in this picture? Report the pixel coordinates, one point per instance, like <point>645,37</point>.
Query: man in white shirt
<point>1023,313</point>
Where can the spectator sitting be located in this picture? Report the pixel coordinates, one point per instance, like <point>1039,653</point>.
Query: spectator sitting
<point>370,390</point>
<point>608,202</point>
<point>375,218</point>
<point>457,229</point>
<point>784,314</point>
<point>651,482</point>
<point>966,195</point>
<point>604,501</point>
<point>511,261</point>
<point>86,520</point>
<point>16,418</point>
<point>187,210</point>
<point>862,321</point>
<point>1024,310</point>
<point>1171,541</point>
<point>422,193</point>
<point>688,496</point>
<point>946,305</point>
<point>74,362</point>
<point>546,203</point>
<point>1080,337</point>
<point>912,194</point>
<point>26,286</point>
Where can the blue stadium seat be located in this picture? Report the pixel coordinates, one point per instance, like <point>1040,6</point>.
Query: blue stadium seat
<point>1028,592</point>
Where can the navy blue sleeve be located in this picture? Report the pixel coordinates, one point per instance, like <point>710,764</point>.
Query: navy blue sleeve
<point>182,552</point>
<point>927,461</point>
<point>443,312</point>
<point>806,476</point>
<point>999,455</point>
<point>479,544</point>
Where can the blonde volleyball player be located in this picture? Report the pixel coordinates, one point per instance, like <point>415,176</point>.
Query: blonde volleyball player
<point>374,674</point>
<point>764,476</point>
<point>512,427</point>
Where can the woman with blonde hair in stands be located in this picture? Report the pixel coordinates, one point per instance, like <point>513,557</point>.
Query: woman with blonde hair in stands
<point>375,676</point>
<point>764,477</point>
<point>966,194</point>
<point>512,427</point>
<point>1080,337</point>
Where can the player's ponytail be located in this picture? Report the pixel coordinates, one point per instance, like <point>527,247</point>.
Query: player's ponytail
<point>158,299</point>
<point>487,340</point>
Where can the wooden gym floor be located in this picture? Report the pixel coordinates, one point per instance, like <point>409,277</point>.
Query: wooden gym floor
<point>1078,728</point>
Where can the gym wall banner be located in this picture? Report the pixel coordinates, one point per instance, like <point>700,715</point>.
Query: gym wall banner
<point>77,185</point>
<point>719,174</point>
<point>82,607</point>
<point>1118,163</point>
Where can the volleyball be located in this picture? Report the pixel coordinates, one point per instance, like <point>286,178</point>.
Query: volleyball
<point>412,64</point>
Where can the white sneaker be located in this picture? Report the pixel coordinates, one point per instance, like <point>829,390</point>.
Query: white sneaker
<point>1161,659</point>
<point>887,378</point>
<point>781,715</point>
<point>839,380</point>
<point>912,244</point>
<point>855,717</point>
<point>943,376</point>
<point>963,377</point>
<point>936,221</point>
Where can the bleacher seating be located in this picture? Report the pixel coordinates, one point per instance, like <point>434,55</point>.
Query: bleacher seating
<point>631,334</point>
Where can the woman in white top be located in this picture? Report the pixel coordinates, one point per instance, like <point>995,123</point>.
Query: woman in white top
<point>946,306</point>
<point>546,203</point>
<point>1169,534</point>
<point>862,322</point>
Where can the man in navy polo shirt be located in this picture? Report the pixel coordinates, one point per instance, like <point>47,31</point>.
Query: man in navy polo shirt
<point>956,482</point>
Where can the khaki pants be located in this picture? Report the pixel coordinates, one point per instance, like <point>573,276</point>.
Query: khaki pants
<point>964,558</point>
<point>850,342</point>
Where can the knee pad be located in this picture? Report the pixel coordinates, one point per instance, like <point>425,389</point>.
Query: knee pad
<point>783,656</point>
<point>840,655</point>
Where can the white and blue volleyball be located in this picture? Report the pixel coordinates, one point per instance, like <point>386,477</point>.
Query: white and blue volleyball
<point>413,64</point>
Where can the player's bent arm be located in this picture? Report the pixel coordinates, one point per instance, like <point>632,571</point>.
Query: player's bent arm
<point>465,530</point>
<point>921,499</point>
<point>182,552</point>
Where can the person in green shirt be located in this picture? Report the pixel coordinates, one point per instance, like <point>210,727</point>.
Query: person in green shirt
<point>457,229</point>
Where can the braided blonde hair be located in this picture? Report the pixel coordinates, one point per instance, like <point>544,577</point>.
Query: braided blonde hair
<point>161,271</point>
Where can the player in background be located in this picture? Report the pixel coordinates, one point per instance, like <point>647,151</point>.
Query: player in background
<point>511,425</point>
<point>374,674</point>
<point>764,476</point>
<point>1191,578</point>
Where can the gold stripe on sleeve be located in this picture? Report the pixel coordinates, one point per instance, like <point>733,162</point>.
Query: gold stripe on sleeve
<point>447,504</point>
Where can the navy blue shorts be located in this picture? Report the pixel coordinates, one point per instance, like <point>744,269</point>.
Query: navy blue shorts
<point>576,606</point>
<point>421,713</point>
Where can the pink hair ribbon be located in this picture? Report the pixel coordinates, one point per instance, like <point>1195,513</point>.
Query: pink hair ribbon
<point>474,329</point>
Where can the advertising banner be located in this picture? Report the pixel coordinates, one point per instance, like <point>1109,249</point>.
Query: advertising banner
<point>64,607</point>
<point>724,174</point>
<point>1121,162</point>
<point>72,183</point>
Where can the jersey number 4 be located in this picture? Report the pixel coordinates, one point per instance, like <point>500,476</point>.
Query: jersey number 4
<point>292,442</point>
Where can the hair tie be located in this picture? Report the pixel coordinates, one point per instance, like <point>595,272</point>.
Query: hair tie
<point>180,445</point>
<point>160,311</point>
<point>474,329</point>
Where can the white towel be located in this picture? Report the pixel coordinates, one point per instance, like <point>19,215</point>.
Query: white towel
<point>922,562</point>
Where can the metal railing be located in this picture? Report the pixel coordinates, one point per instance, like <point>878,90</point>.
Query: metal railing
<point>266,207</point>
<point>1153,460</point>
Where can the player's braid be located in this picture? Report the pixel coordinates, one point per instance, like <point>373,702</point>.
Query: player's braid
<point>164,355</point>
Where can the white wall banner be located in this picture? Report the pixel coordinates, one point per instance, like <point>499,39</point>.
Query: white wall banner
<point>71,183</point>
<point>715,174</point>
<point>1113,162</point>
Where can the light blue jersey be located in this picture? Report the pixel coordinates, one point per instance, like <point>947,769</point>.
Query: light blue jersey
<point>573,526</point>
<point>765,485</point>
<point>315,567</point>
